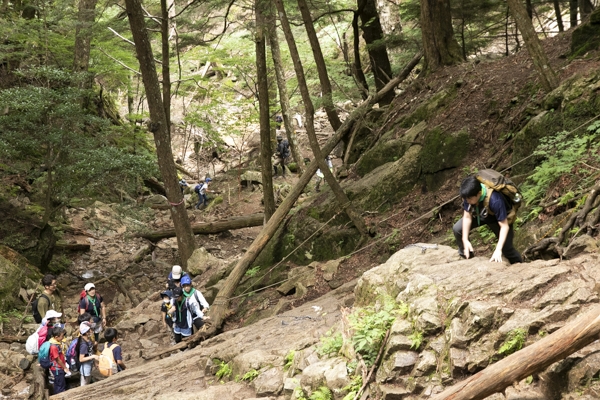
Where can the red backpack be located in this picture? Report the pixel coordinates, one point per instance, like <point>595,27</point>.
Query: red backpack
<point>83,295</point>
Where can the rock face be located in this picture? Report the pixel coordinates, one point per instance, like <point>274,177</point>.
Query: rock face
<point>453,317</point>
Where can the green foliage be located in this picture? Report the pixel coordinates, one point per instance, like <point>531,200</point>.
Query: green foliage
<point>416,339</point>
<point>369,326</point>
<point>330,344</point>
<point>514,342</point>
<point>252,272</point>
<point>299,394</point>
<point>289,360</point>
<point>250,375</point>
<point>562,153</point>
<point>486,234</point>
<point>224,370</point>
<point>353,387</point>
<point>59,263</point>
<point>322,393</point>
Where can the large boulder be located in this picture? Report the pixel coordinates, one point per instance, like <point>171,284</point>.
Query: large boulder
<point>201,261</point>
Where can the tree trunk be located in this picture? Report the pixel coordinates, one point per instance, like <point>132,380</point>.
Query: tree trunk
<point>559,21</point>
<point>339,194</point>
<point>263,107</point>
<point>83,38</point>
<point>573,12</point>
<point>585,8</point>
<point>332,115</point>
<point>373,35</point>
<point>439,45</point>
<point>219,307</point>
<point>166,71</point>
<point>529,9</point>
<point>158,126</point>
<point>548,78</point>
<point>534,358</point>
<point>209,227</point>
<point>361,79</point>
<point>284,99</point>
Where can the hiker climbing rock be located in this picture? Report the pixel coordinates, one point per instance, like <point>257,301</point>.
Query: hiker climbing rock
<point>201,189</point>
<point>482,205</point>
<point>282,155</point>
<point>92,302</point>
<point>197,304</point>
<point>174,278</point>
<point>182,185</point>
<point>181,314</point>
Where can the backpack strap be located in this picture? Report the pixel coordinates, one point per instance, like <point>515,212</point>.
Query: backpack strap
<point>510,213</point>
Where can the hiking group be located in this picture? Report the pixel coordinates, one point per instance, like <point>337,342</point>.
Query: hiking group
<point>182,309</point>
<point>489,198</point>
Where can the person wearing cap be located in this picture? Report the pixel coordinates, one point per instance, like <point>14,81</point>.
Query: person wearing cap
<point>93,304</point>
<point>86,353</point>
<point>182,185</point>
<point>50,320</point>
<point>197,304</point>
<point>202,189</point>
<point>174,279</point>
<point>182,316</point>
<point>164,309</point>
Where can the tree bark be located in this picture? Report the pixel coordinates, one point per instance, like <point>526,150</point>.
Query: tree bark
<point>284,99</point>
<point>534,358</point>
<point>439,45</point>
<point>373,35</point>
<point>166,71</point>
<point>209,227</point>
<point>332,115</point>
<point>559,20</point>
<point>263,107</point>
<point>585,8</point>
<point>529,9</point>
<point>573,12</point>
<point>83,38</point>
<point>339,194</point>
<point>548,78</point>
<point>357,69</point>
<point>159,127</point>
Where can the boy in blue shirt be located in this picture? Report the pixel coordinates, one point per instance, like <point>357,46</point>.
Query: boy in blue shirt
<point>485,206</point>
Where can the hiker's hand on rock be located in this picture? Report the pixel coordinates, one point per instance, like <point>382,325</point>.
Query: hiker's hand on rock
<point>468,249</point>
<point>497,256</point>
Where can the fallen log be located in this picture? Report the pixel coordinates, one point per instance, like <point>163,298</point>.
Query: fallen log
<point>13,339</point>
<point>209,227</point>
<point>155,185</point>
<point>77,246</point>
<point>534,358</point>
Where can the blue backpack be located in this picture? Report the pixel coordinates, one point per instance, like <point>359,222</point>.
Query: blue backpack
<point>44,355</point>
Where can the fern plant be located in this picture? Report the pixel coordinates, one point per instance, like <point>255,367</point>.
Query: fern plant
<point>514,342</point>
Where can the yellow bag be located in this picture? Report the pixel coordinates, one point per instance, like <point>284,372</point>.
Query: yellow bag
<point>106,362</point>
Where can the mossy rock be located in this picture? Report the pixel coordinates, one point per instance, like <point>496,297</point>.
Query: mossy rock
<point>586,37</point>
<point>388,149</point>
<point>442,151</point>
<point>388,183</point>
<point>363,137</point>
<point>14,270</point>
<point>430,107</point>
<point>27,234</point>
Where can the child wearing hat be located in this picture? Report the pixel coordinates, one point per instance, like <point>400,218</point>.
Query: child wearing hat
<point>175,276</point>
<point>182,316</point>
<point>86,353</point>
<point>92,303</point>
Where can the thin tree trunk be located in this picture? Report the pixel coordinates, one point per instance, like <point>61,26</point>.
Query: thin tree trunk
<point>219,307</point>
<point>332,115</point>
<point>83,38</point>
<point>363,86</point>
<point>373,36</point>
<point>529,9</point>
<point>263,106</point>
<point>538,55</point>
<point>284,99</point>
<point>506,36</point>
<point>559,21</point>
<point>573,12</point>
<point>158,126</point>
<point>166,71</point>
<point>439,45</point>
<point>585,8</point>
<point>533,358</point>
<point>339,194</point>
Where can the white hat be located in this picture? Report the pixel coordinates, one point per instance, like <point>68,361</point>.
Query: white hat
<point>89,286</point>
<point>84,327</point>
<point>176,272</point>
<point>52,314</point>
